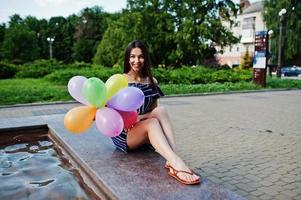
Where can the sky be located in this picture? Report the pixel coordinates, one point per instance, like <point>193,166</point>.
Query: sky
<point>51,8</point>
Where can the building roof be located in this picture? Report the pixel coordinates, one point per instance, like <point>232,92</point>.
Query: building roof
<point>254,7</point>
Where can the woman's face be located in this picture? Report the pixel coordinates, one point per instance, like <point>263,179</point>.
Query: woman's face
<point>136,60</point>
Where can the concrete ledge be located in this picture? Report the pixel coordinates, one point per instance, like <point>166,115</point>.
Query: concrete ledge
<point>137,175</point>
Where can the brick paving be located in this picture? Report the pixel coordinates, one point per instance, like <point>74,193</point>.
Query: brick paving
<point>249,143</point>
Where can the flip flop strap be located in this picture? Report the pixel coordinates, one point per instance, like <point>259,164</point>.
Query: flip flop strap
<point>181,171</point>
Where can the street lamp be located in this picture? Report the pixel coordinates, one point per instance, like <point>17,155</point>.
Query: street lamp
<point>50,40</point>
<point>84,20</point>
<point>270,33</point>
<point>281,15</point>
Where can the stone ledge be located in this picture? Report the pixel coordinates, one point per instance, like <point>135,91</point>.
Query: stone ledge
<point>137,175</point>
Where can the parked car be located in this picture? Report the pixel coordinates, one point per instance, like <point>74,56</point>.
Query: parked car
<point>291,70</point>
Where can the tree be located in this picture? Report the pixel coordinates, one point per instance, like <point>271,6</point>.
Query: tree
<point>15,20</point>
<point>246,61</point>
<point>62,32</point>
<point>89,32</point>
<point>292,27</point>
<point>192,26</point>
<point>20,44</point>
<point>2,33</point>
<point>110,50</point>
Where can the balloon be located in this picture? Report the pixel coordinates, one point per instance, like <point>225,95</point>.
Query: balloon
<point>95,91</point>
<point>129,118</point>
<point>114,84</point>
<point>75,86</point>
<point>127,99</point>
<point>79,119</point>
<point>108,122</point>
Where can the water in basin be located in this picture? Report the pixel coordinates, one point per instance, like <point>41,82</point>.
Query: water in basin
<point>34,170</point>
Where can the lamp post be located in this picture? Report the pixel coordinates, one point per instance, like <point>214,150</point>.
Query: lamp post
<point>84,20</point>
<point>281,15</point>
<point>270,33</point>
<point>50,40</point>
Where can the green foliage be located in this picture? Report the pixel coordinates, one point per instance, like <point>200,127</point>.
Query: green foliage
<point>110,51</point>
<point>89,32</point>
<point>38,68</point>
<point>184,75</point>
<point>177,33</point>
<point>16,91</point>
<point>283,83</point>
<point>292,27</point>
<point>200,75</point>
<point>2,33</point>
<point>7,70</point>
<point>84,50</point>
<point>246,61</point>
<point>207,88</point>
<point>20,43</point>
<point>63,76</point>
<point>62,31</point>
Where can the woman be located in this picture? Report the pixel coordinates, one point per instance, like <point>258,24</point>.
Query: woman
<point>153,125</point>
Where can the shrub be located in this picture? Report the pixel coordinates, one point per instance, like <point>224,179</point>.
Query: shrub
<point>38,68</point>
<point>63,76</point>
<point>246,61</point>
<point>183,75</point>
<point>200,75</point>
<point>7,70</point>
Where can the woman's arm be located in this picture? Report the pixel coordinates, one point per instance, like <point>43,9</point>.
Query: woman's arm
<point>145,116</point>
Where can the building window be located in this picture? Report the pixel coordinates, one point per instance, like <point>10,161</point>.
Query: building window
<point>248,30</point>
<point>248,23</point>
<point>237,49</point>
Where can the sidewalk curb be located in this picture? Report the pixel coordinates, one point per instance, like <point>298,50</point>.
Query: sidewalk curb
<point>167,96</point>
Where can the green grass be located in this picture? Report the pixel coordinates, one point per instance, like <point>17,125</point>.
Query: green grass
<point>283,83</point>
<point>19,91</point>
<point>207,88</point>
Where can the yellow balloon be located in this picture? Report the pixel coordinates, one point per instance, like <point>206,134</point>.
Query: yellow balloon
<point>79,119</point>
<point>114,84</point>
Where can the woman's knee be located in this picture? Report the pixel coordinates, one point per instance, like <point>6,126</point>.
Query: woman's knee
<point>152,123</point>
<point>160,110</point>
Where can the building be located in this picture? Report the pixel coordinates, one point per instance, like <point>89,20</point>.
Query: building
<point>248,22</point>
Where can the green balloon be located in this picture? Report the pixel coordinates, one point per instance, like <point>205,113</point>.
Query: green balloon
<point>94,90</point>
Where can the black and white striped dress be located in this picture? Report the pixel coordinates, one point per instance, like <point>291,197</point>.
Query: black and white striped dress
<point>151,93</point>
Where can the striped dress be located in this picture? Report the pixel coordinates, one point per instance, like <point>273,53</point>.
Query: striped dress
<point>151,93</point>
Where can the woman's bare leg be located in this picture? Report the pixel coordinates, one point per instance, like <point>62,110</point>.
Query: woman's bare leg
<point>150,129</point>
<point>161,114</point>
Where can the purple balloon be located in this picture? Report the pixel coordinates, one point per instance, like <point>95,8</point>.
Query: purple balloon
<point>75,86</point>
<point>127,99</point>
<point>109,122</point>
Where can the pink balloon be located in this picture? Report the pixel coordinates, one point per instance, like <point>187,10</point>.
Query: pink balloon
<point>75,86</point>
<point>109,122</point>
<point>127,99</point>
<point>129,118</point>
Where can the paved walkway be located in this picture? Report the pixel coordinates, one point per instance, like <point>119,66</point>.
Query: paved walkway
<point>249,143</point>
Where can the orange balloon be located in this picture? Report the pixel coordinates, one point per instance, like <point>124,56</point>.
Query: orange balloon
<point>79,119</point>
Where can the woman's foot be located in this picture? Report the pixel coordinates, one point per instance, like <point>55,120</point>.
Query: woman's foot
<point>167,165</point>
<point>181,172</point>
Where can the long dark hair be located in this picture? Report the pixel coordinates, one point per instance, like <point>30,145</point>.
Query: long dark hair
<point>146,70</point>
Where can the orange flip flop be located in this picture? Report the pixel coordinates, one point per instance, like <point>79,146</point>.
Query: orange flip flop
<point>166,166</point>
<point>175,172</point>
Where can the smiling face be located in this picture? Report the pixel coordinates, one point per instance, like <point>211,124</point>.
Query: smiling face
<point>136,60</point>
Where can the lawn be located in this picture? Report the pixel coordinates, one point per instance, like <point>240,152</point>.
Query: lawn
<point>19,91</point>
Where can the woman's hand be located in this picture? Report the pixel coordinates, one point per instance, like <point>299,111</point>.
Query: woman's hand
<point>142,117</point>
